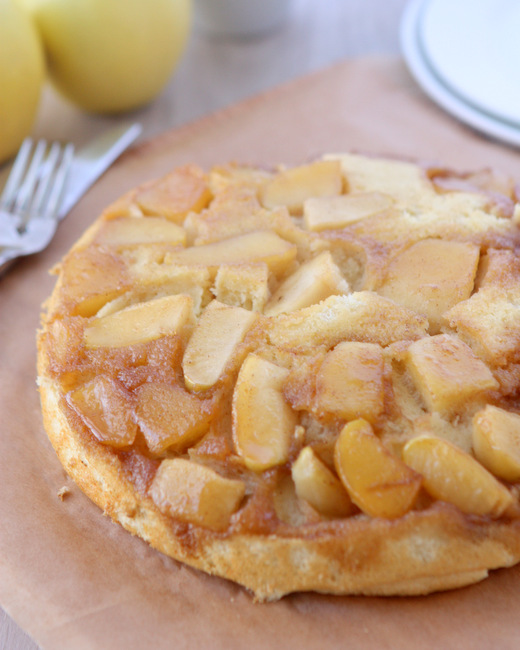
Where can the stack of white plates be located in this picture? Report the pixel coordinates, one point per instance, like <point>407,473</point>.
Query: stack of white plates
<point>465,54</point>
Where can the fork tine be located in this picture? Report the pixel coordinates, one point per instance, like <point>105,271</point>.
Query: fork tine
<point>31,179</point>
<point>46,178</point>
<point>16,174</point>
<point>57,192</point>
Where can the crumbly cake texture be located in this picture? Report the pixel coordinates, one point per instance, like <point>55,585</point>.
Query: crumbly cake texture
<point>299,379</point>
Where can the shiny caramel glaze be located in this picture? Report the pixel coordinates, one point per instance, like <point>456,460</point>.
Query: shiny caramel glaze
<point>359,324</point>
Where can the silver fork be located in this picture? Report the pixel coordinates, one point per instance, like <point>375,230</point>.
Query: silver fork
<point>30,202</point>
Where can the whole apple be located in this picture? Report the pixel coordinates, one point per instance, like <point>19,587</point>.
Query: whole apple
<point>21,76</point>
<point>110,56</point>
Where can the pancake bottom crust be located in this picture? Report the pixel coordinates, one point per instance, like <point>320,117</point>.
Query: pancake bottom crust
<point>300,379</point>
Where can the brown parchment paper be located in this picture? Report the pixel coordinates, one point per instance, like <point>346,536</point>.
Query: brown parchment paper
<point>71,577</point>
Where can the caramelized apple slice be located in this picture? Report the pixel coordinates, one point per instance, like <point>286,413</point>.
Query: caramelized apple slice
<point>220,329</point>
<point>400,179</point>
<point>431,276</point>
<point>447,373</point>
<point>496,442</point>
<point>105,407</point>
<point>292,186</point>
<point>263,422</point>
<point>453,476</point>
<point>350,381</point>
<point>124,206</point>
<point>173,196</point>
<point>90,278</point>
<point>499,269</point>
<point>316,484</point>
<point>362,316</point>
<point>259,246</point>
<point>312,282</point>
<point>196,494</point>
<point>140,230</point>
<point>236,213</point>
<point>169,416</point>
<point>232,176</point>
<point>327,212</point>
<point>140,323</point>
<point>378,482</point>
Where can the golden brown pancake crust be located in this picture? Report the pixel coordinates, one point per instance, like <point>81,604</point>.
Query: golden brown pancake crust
<point>327,301</point>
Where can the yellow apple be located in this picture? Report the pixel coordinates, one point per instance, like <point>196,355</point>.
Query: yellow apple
<point>109,56</point>
<point>22,72</point>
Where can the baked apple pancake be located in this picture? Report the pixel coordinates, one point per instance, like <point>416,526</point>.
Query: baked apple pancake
<point>298,379</point>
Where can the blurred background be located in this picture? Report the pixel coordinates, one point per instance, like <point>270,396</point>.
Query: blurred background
<point>217,70</point>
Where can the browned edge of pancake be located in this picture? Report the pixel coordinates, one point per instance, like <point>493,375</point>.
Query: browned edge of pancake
<point>422,552</point>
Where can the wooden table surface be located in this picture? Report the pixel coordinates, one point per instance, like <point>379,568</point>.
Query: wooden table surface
<point>217,72</point>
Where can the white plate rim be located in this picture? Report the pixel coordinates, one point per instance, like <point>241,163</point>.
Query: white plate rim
<point>437,91</point>
<point>447,56</point>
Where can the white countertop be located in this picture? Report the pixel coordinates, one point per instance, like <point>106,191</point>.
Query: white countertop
<point>216,72</point>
